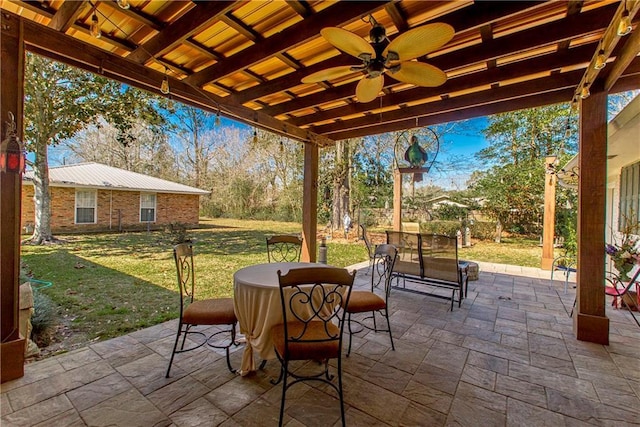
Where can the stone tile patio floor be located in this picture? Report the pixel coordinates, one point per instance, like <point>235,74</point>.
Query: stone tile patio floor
<point>508,357</point>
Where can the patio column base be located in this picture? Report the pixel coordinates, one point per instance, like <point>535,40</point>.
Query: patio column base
<point>591,328</point>
<point>12,360</point>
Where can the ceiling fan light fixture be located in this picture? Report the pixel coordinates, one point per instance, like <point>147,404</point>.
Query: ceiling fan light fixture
<point>381,56</point>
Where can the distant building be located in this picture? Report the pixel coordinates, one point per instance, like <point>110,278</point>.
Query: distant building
<point>96,197</point>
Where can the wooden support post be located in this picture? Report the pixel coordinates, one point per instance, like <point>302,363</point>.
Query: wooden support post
<point>12,347</point>
<point>549,219</point>
<point>589,320</point>
<point>397,200</point>
<point>310,203</point>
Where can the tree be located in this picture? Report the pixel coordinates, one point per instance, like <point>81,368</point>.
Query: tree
<point>60,101</point>
<point>144,150</point>
<point>529,134</point>
<point>513,187</point>
<point>192,128</point>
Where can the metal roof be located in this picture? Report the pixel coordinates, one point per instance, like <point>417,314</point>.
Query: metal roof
<point>97,175</point>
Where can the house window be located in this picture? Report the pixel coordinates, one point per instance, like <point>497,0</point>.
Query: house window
<point>85,206</point>
<point>629,198</point>
<point>147,207</point>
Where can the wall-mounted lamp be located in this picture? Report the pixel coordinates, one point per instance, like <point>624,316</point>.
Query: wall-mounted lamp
<point>624,26</point>
<point>217,121</point>
<point>12,155</point>
<point>255,136</point>
<point>164,87</point>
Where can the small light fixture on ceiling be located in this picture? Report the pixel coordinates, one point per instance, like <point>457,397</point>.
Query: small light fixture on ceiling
<point>601,60</point>
<point>164,87</point>
<point>624,26</point>
<point>124,4</point>
<point>94,29</point>
<point>584,93</point>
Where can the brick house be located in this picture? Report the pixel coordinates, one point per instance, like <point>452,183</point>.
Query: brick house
<point>96,197</point>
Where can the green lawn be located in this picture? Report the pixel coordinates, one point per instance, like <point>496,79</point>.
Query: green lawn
<point>106,285</point>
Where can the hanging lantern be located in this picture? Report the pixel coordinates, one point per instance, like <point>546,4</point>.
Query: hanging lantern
<point>12,156</point>
<point>420,153</point>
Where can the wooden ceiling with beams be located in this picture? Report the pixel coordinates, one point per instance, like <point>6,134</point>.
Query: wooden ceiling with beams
<point>246,59</point>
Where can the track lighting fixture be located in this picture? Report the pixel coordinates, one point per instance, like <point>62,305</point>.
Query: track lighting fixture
<point>601,60</point>
<point>584,93</point>
<point>624,26</point>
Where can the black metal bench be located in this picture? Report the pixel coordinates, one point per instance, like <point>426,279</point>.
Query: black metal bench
<point>429,259</point>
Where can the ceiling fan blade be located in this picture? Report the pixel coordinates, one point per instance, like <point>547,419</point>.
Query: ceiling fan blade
<point>419,74</point>
<point>328,74</point>
<point>420,41</point>
<point>369,88</point>
<point>347,41</point>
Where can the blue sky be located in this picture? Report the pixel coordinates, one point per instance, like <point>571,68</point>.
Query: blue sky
<point>459,145</point>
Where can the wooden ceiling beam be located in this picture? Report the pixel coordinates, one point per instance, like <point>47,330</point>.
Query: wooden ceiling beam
<point>461,114</point>
<point>240,27</point>
<point>595,20</point>
<point>477,14</point>
<point>41,8</point>
<point>474,54</point>
<point>138,15</point>
<point>501,94</point>
<point>203,49</point>
<point>309,28</point>
<point>196,19</point>
<point>629,54</point>
<point>66,16</point>
<point>573,8</point>
<point>288,81</point>
<point>301,7</point>
<point>608,42</point>
<point>481,13</point>
<point>67,49</point>
<point>564,95</point>
<point>575,56</point>
<point>398,16</point>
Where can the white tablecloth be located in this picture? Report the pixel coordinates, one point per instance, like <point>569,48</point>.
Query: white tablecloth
<point>258,307</point>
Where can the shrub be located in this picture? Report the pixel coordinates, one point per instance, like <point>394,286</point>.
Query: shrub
<point>43,320</point>
<point>483,230</point>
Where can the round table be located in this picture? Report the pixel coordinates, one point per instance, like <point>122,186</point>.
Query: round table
<point>258,307</point>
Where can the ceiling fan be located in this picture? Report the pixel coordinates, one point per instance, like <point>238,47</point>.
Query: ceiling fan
<point>381,56</point>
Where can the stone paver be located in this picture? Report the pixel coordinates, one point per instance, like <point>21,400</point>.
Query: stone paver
<point>507,357</point>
